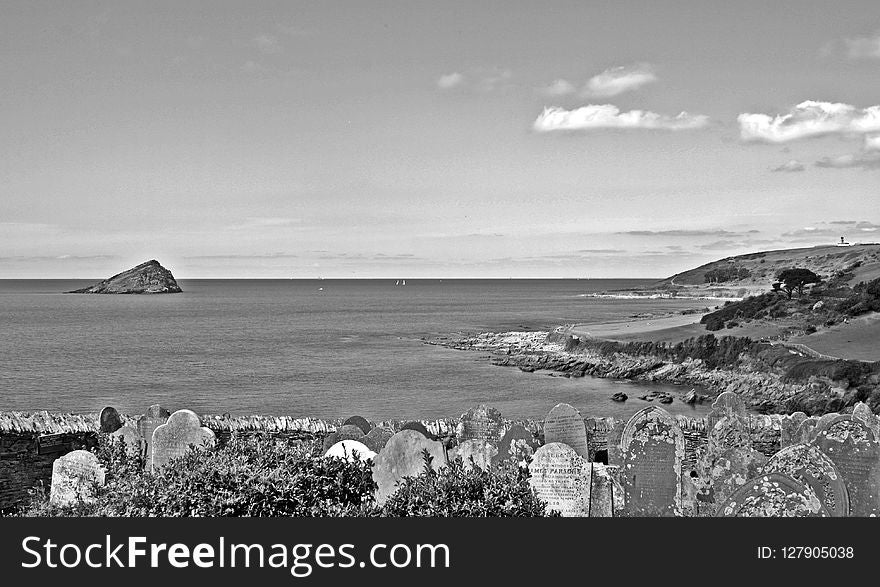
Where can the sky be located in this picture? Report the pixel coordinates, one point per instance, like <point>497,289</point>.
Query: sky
<point>432,139</point>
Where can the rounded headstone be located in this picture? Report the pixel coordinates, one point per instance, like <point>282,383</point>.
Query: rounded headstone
<point>110,420</point>
<point>562,478</point>
<point>475,452</point>
<point>566,425</point>
<point>74,477</point>
<point>772,496</point>
<point>173,438</point>
<point>377,438</point>
<point>807,465</point>
<point>402,457</point>
<point>349,432</point>
<point>416,426</point>
<point>360,422</point>
<point>154,417</point>
<point>517,444</point>
<point>132,439</point>
<point>350,450</point>
<point>481,423</point>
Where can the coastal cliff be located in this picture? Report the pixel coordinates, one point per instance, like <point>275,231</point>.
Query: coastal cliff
<point>146,278</point>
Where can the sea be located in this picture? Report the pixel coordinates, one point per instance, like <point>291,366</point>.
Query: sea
<point>324,348</point>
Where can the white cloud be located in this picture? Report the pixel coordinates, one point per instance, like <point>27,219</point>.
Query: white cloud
<point>863,47</point>
<point>809,119</point>
<point>789,167</point>
<point>855,161</point>
<point>267,44</point>
<point>450,80</point>
<point>597,116</point>
<point>872,143</point>
<point>618,80</point>
<point>558,88</point>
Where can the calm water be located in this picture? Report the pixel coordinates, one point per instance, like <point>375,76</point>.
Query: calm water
<point>327,348</point>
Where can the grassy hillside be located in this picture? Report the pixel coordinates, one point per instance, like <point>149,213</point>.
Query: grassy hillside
<point>758,270</point>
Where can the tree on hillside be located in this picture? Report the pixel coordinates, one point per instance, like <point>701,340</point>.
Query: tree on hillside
<point>795,279</point>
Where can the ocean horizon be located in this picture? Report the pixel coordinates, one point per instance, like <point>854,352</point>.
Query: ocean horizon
<point>302,347</point>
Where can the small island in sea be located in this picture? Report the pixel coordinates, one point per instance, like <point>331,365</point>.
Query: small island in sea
<point>146,278</point>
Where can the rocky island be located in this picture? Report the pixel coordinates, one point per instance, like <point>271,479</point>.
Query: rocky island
<point>146,278</point>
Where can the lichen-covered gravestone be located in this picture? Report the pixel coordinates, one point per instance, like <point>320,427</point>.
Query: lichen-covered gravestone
<point>730,461</point>
<point>173,438</point>
<point>74,477</point>
<point>789,429</point>
<point>481,423</point>
<point>110,420</point>
<point>132,439</point>
<point>805,430</point>
<point>855,451</point>
<point>403,457</point>
<point>517,444</point>
<point>481,451</point>
<point>155,416</point>
<point>862,412</point>
<point>772,496</point>
<point>727,404</point>
<point>350,450</point>
<point>807,465</point>
<point>377,438</point>
<point>562,478</point>
<point>653,449</point>
<point>566,425</point>
<point>360,422</point>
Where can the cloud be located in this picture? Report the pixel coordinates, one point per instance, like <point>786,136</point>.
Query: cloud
<point>267,44</point>
<point>872,143</point>
<point>684,233</point>
<point>863,160</point>
<point>618,80</point>
<point>17,258</point>
<point>234,256</point>
<point>863,47</point>
<point>265,222</point>
<point>809,119</point>
<point>601,116</point>
<point>789,167</point>
<point>450,80</point>
<point>558,88</point>
<point>833,229</point>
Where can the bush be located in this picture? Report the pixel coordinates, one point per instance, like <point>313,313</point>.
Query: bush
<point>457,491</point>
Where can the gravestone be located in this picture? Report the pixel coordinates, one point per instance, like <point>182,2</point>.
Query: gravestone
<point>74,477</point>
<point>805,430</point>
<point>789,426</point>
<point>110,420</point>
<point>727,404</point>
<point>772,496</point>
<point>350,450</point>
<point>481,451</point>
<point>855,451</point>
<point>360,422</point>
<point>481,423</point>
<point>173,438</point>
<point>606,494</point>
<point>562,478</point>
<point>349,432</point>
<point>517,444</point>
<point>566,425</point>
<point>862,412</point>
<point>132,439</point>
<point>807,465</point>
<point>377,438</point>
<point>402,457</point>
<point>155,416</point>
<point>418,427</point>
<point>729,460</point>
<point>615,435</point>
<point>653,449</point>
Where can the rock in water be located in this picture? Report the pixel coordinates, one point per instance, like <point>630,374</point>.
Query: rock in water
<point>146,278</point>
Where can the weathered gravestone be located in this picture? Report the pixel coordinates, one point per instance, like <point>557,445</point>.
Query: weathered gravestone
<point>418,427</point>
<point>727,404</point>
<point>74,477</point>
<point>855,451</point>
<point>562,478</point>
<point>790,425</point>
<point>110,420</point>
<point>481,451</point>
<point>349,432</point>
<point>132,439</point>
<point>862,412</point>
<point>807,465</point>
<point>481,423</point>
<point>653,448</point>
<point>606,494</point>
<point>360,422</point>
<point>377,438</point>
<point>566,425</point>
<point>350,450</point>
<point>155,416</point>
<point>173,438</point>
<point>772,496</point>
<point>402,457</point>
<point>517,444</point>
<point>730,461</point>
<point>615,435</point>
<point>805,430</point>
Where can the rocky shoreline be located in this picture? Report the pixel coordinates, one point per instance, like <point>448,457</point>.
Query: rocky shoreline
<point>763,391</point>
